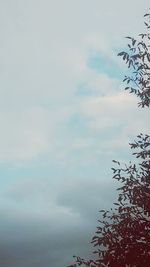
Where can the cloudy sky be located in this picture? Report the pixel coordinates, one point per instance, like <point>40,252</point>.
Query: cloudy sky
<point>63,117</point>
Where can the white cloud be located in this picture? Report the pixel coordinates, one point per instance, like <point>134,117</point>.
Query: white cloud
<point>23,134</point>
<point>99,83</point>
<point>44,51</point>
<point>117,112</point>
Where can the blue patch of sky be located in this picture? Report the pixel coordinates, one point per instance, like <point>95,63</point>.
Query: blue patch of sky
<point>78,125</point>
<point>84,89</point>
<point>6,174</point>
<point>103,64</point>
<point>34,169</point>
<point>109,133</point>
<point>11,176</point>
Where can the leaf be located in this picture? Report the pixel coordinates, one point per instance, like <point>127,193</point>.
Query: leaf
<point>146,24</point>
<point>121,54</point>
<point>128,37</point>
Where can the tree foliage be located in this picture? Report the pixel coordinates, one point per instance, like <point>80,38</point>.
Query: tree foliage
<point>123,234</point>
<point>137,57</point>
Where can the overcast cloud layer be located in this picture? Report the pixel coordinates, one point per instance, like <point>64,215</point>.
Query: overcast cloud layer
<point>64,116</point>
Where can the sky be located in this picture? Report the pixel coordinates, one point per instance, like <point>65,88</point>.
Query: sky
<point>64,116</point>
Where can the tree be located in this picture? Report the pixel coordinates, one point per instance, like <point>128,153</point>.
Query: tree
<point>123,234</point>
<point>138,60</point>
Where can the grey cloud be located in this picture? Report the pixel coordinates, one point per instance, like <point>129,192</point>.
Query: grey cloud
<point>43,245</point>
<point>42,239</point>
<point>85,196</point>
